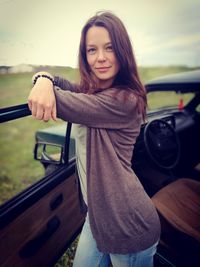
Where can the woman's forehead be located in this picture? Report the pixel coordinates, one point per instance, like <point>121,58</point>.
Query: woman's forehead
<point>97,35</point>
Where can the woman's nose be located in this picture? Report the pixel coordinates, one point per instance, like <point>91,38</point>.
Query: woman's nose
<point>101,56</point>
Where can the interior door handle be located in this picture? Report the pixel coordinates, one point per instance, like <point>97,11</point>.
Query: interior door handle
<point>32,246</point>
<point>56,202</point>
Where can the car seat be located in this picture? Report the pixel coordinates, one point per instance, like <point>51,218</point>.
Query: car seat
<point>178,206</point>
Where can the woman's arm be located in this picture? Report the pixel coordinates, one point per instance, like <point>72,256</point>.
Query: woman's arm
<point>65,84</point>
<point>56,80</point>
<point>101,110</point>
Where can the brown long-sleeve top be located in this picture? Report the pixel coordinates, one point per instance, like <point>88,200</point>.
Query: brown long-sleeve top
<point>123,218</point>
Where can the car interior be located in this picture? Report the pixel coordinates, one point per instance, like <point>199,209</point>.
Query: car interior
<point>166,159</point>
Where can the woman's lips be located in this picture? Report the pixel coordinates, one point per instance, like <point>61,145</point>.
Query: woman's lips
<point>103,69</point>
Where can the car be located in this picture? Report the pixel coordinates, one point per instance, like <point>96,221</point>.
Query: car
<point>45,218</point>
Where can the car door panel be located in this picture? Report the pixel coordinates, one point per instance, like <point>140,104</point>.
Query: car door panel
<point>38,224</point>
<point>23,241</point>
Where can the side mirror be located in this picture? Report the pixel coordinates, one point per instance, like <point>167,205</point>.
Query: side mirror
<point>49,153</point>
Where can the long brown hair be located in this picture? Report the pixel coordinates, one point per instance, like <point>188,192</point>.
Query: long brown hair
<point>127,76</point>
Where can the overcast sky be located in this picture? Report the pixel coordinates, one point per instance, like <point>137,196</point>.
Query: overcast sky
<point>47,32</point>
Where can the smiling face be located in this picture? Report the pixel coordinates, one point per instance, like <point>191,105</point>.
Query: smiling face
<point>100,56</point>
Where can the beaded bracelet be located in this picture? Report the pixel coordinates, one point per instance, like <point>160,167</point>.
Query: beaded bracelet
<point>43,76</point>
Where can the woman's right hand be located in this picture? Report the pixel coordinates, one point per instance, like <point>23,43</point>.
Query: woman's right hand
<point>41,100</point>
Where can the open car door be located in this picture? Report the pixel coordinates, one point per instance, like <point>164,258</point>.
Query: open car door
<point>38,224</point>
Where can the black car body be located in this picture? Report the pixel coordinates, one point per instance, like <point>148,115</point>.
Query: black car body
<point>45,218</point>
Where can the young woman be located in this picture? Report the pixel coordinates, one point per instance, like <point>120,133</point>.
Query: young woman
<point>108,107</point>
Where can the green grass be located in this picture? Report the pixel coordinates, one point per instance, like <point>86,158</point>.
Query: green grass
<point>15,88</point>
<point>67,259</point>
<point>166,99</point>
<point>18,169</point>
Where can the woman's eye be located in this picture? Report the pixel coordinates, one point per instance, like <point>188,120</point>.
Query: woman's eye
<point>91,50</point>
<point>109,48</point>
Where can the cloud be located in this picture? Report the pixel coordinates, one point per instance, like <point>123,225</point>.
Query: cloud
<point>48,32</point>
<point>183,50</point>
<point>183,41</point>
<point>151,45</point>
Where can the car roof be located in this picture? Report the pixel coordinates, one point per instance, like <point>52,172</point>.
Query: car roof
<point>183,82</point>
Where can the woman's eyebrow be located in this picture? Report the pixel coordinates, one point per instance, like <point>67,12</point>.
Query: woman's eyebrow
<point>108,43</point>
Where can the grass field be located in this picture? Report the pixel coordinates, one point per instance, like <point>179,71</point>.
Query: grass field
<point>18,169</point>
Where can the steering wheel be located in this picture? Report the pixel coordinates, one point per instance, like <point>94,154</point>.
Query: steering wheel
<point>162,143</point>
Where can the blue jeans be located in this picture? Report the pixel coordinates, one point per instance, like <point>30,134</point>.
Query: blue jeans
<point>87,254</point>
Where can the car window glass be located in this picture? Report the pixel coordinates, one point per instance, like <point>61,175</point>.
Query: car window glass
<point>157,100</point>
<point>18,168</point>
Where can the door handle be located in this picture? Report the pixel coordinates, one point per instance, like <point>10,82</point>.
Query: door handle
<point>32,246</point>
<point>56,202</point>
